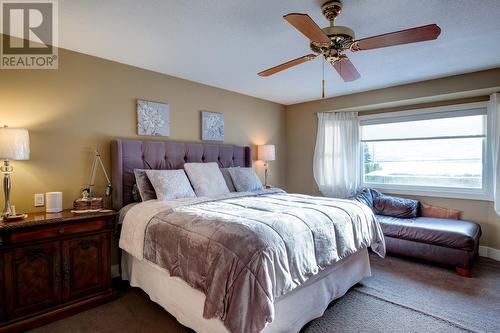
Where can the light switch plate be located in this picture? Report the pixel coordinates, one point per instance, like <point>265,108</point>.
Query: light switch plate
<point>39,200</point>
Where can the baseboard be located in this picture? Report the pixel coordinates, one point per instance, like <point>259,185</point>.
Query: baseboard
<point>115,271</point>
<point>489,252</point>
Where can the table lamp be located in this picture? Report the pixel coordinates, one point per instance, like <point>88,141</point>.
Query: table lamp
<point>266,153</point>
<point>14,145</point>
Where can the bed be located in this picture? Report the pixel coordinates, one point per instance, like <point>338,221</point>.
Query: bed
<point>263,261</point>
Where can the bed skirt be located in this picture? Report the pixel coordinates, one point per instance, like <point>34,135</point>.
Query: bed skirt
<point>292,311</point>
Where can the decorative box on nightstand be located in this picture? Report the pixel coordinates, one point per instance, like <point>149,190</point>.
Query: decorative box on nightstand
<point>53,265</point>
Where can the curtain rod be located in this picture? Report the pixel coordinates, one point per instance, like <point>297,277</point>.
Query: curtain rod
<point>336,111</point>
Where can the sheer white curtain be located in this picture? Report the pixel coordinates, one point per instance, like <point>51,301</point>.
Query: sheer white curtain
<point>494,114</point>
<point>336,156</point>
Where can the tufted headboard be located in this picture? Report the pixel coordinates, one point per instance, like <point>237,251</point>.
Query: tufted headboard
<point>127,155</point>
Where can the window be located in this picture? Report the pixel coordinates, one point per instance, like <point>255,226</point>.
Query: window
<point>433,151</point>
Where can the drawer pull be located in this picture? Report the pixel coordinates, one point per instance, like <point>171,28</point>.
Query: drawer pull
<point>61,231</point>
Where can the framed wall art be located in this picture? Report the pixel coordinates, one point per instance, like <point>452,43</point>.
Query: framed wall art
<point>212,126</point>
<point>153,118</point>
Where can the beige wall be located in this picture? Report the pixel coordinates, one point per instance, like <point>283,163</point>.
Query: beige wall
<point>89,101</point>
<point>301,123</point>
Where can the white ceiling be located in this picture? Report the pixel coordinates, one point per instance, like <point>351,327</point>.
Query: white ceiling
<point>225,43</point>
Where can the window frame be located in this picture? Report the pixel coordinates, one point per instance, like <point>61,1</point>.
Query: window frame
<point>456,110</point>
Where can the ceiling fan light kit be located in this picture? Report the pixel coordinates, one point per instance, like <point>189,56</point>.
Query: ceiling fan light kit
<point>333,41</point>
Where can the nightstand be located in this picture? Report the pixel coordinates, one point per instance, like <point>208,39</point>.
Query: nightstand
<point>53,265</point>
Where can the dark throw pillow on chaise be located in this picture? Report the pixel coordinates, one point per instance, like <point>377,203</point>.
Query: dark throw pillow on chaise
<point>395,207</point>
<point>366,195</point>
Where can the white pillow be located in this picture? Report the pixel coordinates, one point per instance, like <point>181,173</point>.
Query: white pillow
<point>245,179</point>
<point>170,184</point>
<point>206,178</point>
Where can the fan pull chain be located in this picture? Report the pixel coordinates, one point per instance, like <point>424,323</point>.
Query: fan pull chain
<point>323,81</point>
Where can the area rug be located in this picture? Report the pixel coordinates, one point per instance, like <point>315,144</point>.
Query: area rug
<point>357,312</point>
<point>470,303</point>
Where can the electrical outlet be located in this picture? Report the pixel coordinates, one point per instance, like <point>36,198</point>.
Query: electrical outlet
<point>39,200</point>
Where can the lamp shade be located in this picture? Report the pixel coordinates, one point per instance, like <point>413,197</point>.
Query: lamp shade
<point>14,143</point>
<point>266,153</point>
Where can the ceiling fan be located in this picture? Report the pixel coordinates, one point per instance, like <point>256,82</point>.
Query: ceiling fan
<point>333,41</point>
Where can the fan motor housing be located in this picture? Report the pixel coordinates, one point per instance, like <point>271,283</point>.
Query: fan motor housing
<point>339,30</point>
<point>340,36</point>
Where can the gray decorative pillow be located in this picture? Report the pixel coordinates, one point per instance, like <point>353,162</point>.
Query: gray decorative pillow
<point>146,189</point>
<point>206,178</point>
<point>136,196</point>
<point>227,178</point>
<point>170,184</point>
<point>245,179</point>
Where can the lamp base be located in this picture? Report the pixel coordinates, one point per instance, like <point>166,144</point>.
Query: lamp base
<point>7,170</point>
<point>16,217</point>
<point>265,174</point>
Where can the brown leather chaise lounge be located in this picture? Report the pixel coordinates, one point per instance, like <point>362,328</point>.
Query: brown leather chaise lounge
<point>444,241</point>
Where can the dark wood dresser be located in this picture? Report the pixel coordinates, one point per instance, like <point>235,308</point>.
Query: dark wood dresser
<point>53,265</point>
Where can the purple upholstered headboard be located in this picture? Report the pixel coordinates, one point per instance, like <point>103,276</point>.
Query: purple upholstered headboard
<point>127,155</point>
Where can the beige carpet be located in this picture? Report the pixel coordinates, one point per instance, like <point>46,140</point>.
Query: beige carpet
<point>473,304</point>
<point>401,296</point>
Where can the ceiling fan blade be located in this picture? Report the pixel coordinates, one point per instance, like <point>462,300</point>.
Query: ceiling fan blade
<point>413,35</point>
<point>346,69</point>
<point>306,25</point>
<point>286,65</point>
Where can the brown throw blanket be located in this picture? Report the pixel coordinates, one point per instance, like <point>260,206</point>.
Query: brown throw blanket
<point>244,252</point>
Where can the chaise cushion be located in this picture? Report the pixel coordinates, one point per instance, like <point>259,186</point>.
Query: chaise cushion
<point>457,234</point>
